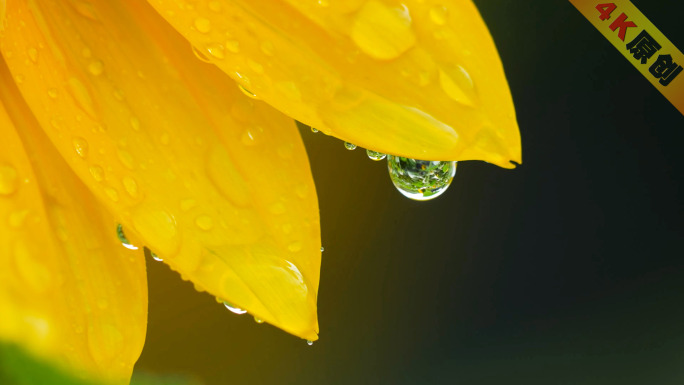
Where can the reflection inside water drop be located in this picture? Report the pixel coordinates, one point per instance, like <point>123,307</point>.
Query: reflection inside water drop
<point>420,180</point>
<point>349,146</point>
<point>234,309</point>
<point>309,342</point>
<point>122,237</point>
<point>374,155</point>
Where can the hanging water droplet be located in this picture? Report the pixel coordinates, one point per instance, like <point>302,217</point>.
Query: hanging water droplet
<point>199,54</point>
<point>374,155</point>
<point>349,146</point>
<point>234,309</point>
<point>420,180</point>
<point>309,342</point>
<point>258,320</point>
<point>322,249</point>
<point>122,237</point>
<point>314,130</point>
<point>150,254</point>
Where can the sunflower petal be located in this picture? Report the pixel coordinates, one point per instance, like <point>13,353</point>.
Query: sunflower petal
<point>68,291</point>
<point>413,78</point>
<point>216,184</point>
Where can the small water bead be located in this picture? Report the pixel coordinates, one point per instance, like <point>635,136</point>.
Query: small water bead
<point>420,180</point>
<point>234,309</point>
<point>203,25</point>
<point>149,253</point>
<point>81,146</point>
<point>322,249</point>
<point>258,320</point>
<point>374,155</point>
<point>439,14</point>
<point>309,342</point>
<point>314,130</point>
<point>349,146</point>
<point>122,237</point>
<point>97,172</point>
<point>200,55</point>
<point>216,50</point>
<point>96,67</point>
<point>9,182</point>
<point>204,222</point>
<point>247,92</point>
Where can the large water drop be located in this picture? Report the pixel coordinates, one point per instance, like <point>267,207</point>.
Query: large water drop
<point>420,180</point>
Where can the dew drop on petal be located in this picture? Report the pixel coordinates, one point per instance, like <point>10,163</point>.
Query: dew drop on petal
<point>204,222</point>
<point>314,130</point>
<point>216,50</point>
<point>322,249</point>
<point>215,5</point>
<point>203,25</point>
<point>233,46</point>
<point>382,32</point>
<point>33,54</point>
<point>349,146</point>
<point>438,14</point>
<point>234,309</point>
<point>420,180</point>
<point>112,194</point>
<point>96,67</point>
<point>374,155</point>
<point>81,146</point>
<point>200,55</point>
<point>122,237</point>
<point>309,342</point>
<point>149,253</point>
<point>258,320</point>
<point>131,186</point>
<point>247,92</point>
<point>8,179</point>
<point>97,172</point>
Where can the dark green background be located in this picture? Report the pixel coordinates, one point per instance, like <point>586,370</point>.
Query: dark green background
<point>567,270</point>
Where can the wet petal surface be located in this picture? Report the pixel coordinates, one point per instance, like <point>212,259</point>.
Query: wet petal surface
<point>418,79</point>
<point>68,291</point>
<point>215,183</point>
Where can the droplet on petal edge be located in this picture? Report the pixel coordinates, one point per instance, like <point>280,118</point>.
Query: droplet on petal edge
<point>309,342</point>
<point>234,309</point>
<point>122,237</point>
<point>420,180</point>
<point>150,254</point>
<point>349,146</point>
<point>374,155</point>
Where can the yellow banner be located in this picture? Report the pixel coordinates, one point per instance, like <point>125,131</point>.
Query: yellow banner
<point>641,43</point>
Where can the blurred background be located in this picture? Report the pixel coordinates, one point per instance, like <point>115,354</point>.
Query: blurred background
<point>567,270</point>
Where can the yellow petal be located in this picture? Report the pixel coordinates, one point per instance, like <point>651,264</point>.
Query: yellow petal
<point>68,290</point>
<point>215,183</point>
<point>414,78</point>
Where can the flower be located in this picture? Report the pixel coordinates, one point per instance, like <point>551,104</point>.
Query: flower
<point>108,118</point>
